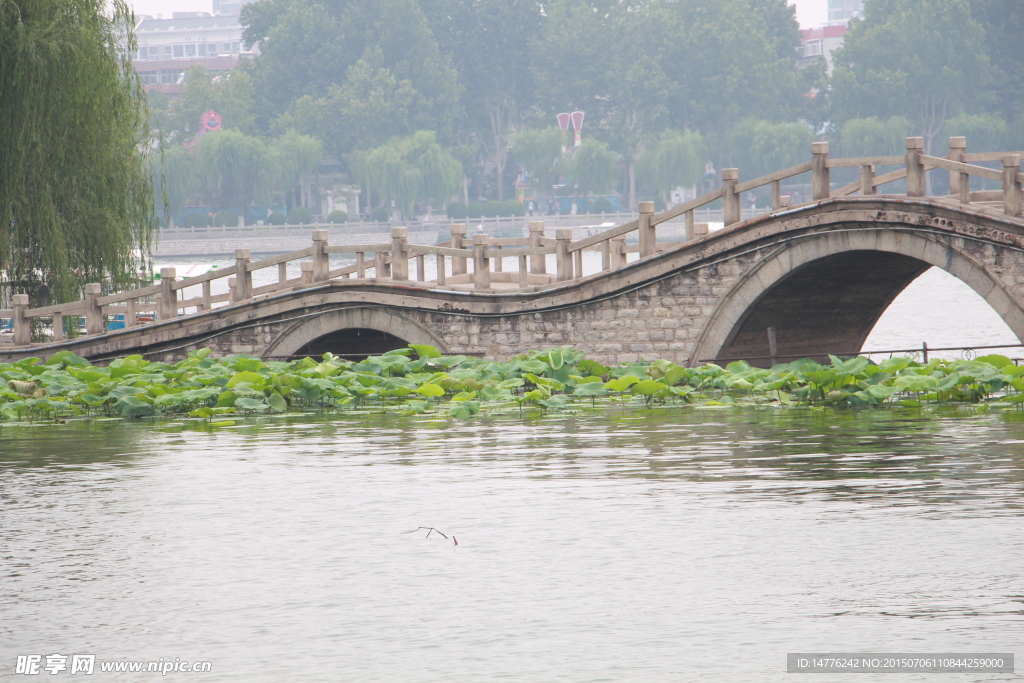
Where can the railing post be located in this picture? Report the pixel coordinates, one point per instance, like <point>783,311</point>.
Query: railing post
<point>1011,185</point>
<point>564,264</point>
<point>867,180</point>
<point>321,259</point>
<point>243,276</point>
<point>618,251</point>
<point>93,311</point>
<point>577,263</point>
<point>646,230</point>
<point>730,197</point>
<point>399,258</point>
<point>481,264</point>
<point>688,225</point>
<point>168,296</point>
<point>776,194</point>
<point>496,262</point>
<point>440,269</point>
<point>821,184</point>
<point>959,183</point>
<point>538,262</point>
<point>459,266</point>
<point>360,265</point>
<point>606,255</point>
<point>232,290</point>
<point>22,328</point>
<point>308,272</point>
<point>915,169</point>
<point>524,279</point>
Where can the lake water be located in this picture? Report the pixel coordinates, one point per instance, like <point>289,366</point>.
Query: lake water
<point>647,546</point>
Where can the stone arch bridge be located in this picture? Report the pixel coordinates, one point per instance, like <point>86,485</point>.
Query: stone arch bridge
<point>803,280</point>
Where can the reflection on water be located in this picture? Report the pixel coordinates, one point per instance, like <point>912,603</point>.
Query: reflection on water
<point>660,545</point>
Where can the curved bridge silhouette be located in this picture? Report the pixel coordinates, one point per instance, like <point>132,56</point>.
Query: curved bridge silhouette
<point>803,280</point>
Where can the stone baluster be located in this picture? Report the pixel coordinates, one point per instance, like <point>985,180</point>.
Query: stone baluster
<point>459,265</point>
<point>730,197</point>
<point>821,184</point>
<point>776,193</point>
<point>421,268</point>
<point>618,251</point>
<point>308,272</point>
<point>577,263</point>
<point>232,290</point>
<point>22,327</point>
<point>207,297</point>
<point>867,180</point>
<point>915,168</point>
<point>524,279</point>
<point>1011,185</point>
<point>481,264</point>
<point>538,262</point>
<point>646,230</point>
<point>282,273</point>
<point>496,261</point>
<point>321,259</point>
<point>378,264</point>
<point>606,255</point>
<point>688,225</point>
<point>243,276</point>
<point>959,183</point>
<point>58,326</point>
<point>360,265</point>
<point>93,310</point>
<point>399,257</point>
<point>563,236</point>
<point>440,269</point>
<point>168,295</point>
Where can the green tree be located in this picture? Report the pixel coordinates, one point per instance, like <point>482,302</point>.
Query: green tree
<point>540,152</point>
<point>489,44</point>
<point>984,132</point>
<point>230,95</point>
<point>758,147</point>
<point>674,159</point>
<point>76,198</point>
<point>411,169</point>
<point>593,169</point>
<point>175,178</point>
<point>922,59</point>
<point>294,156</point>
<point>237,169</point>
<point>872,136</point>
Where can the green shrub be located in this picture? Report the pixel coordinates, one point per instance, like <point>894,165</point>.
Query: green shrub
<point>475,210</point>
<point>493,209</point>
<point>277,218</point>
<point>300,215</point>
<point>225,219</point>
<point>380,214</point>
<point>514,207</point>
<point>602,205</point>
<point>337,216</point>
<point>457,211</point>
<point>197,220</point>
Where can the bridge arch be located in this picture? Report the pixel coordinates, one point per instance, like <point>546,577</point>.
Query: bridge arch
<point>339,331</point>
<point>824,293</point>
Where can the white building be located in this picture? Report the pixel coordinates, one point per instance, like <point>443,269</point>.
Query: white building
<point>169,47</point>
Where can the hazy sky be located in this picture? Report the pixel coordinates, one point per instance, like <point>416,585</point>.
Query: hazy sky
<point>809,13</point>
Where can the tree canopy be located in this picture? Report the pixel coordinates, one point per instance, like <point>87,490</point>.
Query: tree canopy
<point>76,198</point>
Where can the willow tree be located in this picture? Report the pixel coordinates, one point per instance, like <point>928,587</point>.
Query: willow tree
<point>411,169</point>
<point>674,159</point>
<point>76,199</point>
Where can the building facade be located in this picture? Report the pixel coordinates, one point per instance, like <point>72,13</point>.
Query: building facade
<point>168,48</point>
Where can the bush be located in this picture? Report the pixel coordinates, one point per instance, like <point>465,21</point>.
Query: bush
<point>493,209</point>
<point>300,215</point>
<point>475,210</point>
<point>337,216</point>
<point>197,220</point>
<point>225,219</point>
<point>602,205</point>
<point>514,207</point>
<point>277,218</point>
<point>457,211</point>
<point>380,214</point>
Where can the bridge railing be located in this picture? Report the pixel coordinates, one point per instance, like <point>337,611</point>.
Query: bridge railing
<point>388,261</point>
